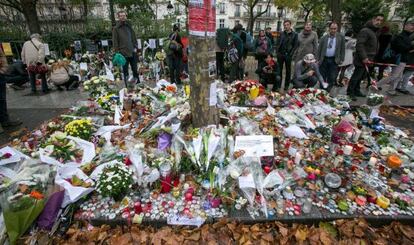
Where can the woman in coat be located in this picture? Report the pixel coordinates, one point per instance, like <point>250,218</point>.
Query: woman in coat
<point>61,76</point>
<point>308,43</point>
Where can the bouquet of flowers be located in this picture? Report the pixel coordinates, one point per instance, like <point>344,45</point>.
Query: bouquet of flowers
<point>81,128</point>
<point>246,89</point>
<point>375,99</point>
<point>108,101</point>
<point>61,148</point>
<point>24,200</point>
<point>96,86</point>
<point>114,181</point>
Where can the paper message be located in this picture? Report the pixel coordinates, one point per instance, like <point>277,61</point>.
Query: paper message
<point>246,182</point>
<point>182,220</point>
<point>255,145</point>
<point>213,94</point>
<point>47,51</point>
<point>104,43</point>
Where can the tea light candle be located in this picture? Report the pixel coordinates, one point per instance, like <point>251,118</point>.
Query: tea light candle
<point>361,200</point>
<point>298,158</point>
<point>383,202</point>
<point>347,150</point>
<point>372,161</point>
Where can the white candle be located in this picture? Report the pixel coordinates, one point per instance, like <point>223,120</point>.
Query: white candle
<point>347,149</point>
<point>372,161</point>
<point>298,157</point>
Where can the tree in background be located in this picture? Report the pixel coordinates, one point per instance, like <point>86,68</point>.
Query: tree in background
<point>405,10</point>
<point>29,11</point>
<point>250,6</point>
<point>360,11</point>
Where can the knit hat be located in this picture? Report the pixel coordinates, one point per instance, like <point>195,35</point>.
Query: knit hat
<point>309,58</point>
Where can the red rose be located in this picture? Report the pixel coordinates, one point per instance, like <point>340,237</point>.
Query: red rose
<point>6,155</point>
<point>127,161</point>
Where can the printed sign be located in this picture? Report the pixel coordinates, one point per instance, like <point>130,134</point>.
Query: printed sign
<point>7,49</point>
<point>202,17</point>
<point>255,145</point>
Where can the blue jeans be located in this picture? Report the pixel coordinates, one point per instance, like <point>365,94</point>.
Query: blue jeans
<point>4,116</point>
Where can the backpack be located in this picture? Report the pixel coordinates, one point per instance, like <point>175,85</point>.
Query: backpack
<point>390,54</point>
<point>233,55</point>
<point>249,42</point>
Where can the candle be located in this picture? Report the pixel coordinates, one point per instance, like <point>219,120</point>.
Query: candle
<point>137,208</point>
<point>347,150</point>
<point>360,200</point>
<point>372,161</point>
<point>394,161</point>
<point>188,196</point>
<point>298,157</point>
<point>383,202</point>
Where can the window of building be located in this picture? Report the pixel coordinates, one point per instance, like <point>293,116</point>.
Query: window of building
<point>237,11</point>
<point>222,7</point>
<point>267,24</point>
<point>259,8</point>
<point>221,23</point>
<point>258,25</point>
<point>177,8</point>
<point>268,12</point>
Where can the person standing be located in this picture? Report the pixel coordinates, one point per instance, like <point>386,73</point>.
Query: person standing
<point>285,48</point>
<point>384,41</point>
<point>350,43</point>
<point>401,44</point>
<point>222,43</point>
<point>331,53</point>
<point>271,38</point>
<point>4,116</point>
<point>125,42</point>
<point>307,43</point>
<point>235,56</point>
<point>366,49</point>
<point>263,47</point>
<point>409,71</point>
<point>175,55</point>
<point>33,55</point>
<point>307,73</point>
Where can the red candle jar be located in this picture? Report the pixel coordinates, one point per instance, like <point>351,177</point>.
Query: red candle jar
<point>215,202</point>
<point>188,196</point>
<point>137,207</point>
<point>371,199</point>
<point>267,169</point>
<point>311,176</point>
<point>165,184</point>
<point>360,200</point>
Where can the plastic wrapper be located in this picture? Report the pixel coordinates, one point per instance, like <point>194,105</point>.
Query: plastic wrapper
<point>24,200</point>
<point>164,141</point>
<point>245,126</point>
<point>66,177</point>
<point>342,132</point>
<point>51,210</point>
<point>176,149</point>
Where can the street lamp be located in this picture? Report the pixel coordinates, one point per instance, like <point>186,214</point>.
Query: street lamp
<point>279,15</point>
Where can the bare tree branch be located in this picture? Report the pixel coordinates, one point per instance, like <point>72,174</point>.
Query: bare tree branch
<point>263,12</point>
<point>11,4</point>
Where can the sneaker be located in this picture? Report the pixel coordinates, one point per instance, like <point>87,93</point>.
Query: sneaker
<point>11,123</point>
<point>15,87</point>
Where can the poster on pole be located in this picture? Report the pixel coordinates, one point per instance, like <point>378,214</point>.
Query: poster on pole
<point>139,43</point>
<point>7,49</point>
<point>152,44</point>
<point>202,18</point>
<point>104,43</point>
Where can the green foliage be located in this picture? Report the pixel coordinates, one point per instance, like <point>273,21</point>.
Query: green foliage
<point>406,10</point>
<point>360,11</point>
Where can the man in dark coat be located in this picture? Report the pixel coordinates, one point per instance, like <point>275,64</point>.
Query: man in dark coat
<point>285,47</point>
<point>331,53</point>
<point>409,71</point>
<point>366,49</point>
<point>175,55</point>
<point>124,41</point>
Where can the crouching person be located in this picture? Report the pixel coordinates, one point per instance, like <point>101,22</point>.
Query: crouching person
<point>62,76</point>
<point>307,73</point>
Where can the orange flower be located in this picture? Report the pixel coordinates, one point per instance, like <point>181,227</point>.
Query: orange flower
<point>36,195</point>
<point>171,88</point>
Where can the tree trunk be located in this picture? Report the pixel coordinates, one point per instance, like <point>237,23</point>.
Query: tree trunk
<point>112,12</point>
<point>336,12</point>
<point>85,10</point>
<point>30,14</point>
<point>202,113</point>
<point>250,25</point>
